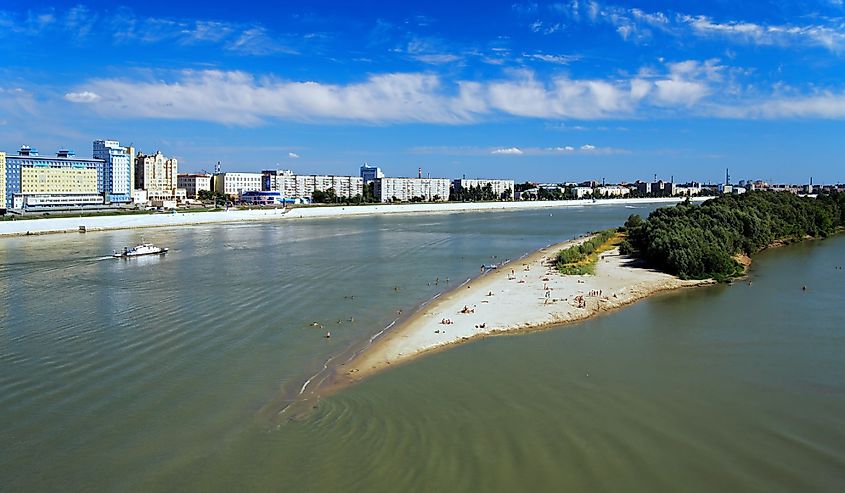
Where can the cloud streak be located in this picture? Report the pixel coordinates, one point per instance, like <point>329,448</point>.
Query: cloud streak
<point>684,89</point>
<point>513,151</point>
<point>124,26</point>
<point>636,25</point>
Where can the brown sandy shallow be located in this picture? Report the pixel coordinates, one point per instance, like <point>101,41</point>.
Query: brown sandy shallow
<point>511,299</point>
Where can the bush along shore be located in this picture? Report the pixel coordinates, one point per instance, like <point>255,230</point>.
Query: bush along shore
<point>581,259</point>
<point>699,242</point>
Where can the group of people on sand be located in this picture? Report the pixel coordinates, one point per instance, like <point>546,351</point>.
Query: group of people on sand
<point>595,292</point>
<point>580,302</point>
<point>446,321</point>
<point>467,309</point>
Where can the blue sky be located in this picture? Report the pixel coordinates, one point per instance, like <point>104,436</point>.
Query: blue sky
<point>548,91</point>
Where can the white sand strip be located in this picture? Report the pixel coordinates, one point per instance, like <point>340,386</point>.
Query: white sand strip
<point>512,298</point>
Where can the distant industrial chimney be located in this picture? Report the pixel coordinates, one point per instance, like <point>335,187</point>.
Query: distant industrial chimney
<point>727,177</point>
<point>419,172</point>
<point>217,167</point>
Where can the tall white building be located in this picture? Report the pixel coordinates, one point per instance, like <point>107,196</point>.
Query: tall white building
<point>500,187</point>
<point>303,186</point>
<point>117,170</point>
<point>407,189</point>
<point>157,174</point>
<point>236,183</point>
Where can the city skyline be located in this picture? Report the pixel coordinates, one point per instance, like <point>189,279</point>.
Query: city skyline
<point>542,91</point>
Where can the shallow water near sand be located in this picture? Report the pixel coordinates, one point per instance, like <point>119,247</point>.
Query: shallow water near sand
<point>164,374</point>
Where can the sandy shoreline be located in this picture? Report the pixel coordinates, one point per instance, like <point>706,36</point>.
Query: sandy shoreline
<point>71,224</point>
<point>510,299</point>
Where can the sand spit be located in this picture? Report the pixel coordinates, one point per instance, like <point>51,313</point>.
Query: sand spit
<point>527,294</point>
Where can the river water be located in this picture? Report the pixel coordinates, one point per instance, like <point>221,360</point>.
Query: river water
<point>168,373</point>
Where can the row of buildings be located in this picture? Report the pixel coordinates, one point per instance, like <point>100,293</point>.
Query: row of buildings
<point>286,186</point>
<point>659,188</point>
<point>115,175</point>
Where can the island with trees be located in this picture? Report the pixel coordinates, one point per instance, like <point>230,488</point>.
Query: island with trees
<point>705,241</point>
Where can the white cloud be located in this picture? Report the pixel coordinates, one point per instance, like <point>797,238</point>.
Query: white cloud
<point>240,99</point>
<point>437,59</point>
<point>685,88</point>
<point>508,150</point>
<point>82,97</point>
<point>831,38</point>
<point>124,26</point>
<point>257,41</point>
<point>680,92</point>
<point>521,151</point>
<point>561,98</point>
<point>293,155</point>
<point>638,25</point>
<point>556,59</point>
<point>826,105</point>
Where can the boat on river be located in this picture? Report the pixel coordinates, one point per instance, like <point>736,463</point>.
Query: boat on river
<point>139,250</point>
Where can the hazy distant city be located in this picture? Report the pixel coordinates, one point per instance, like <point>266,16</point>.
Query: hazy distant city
<point>119,177</point>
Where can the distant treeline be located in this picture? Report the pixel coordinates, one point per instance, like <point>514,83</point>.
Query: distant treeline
<point>697,242</point>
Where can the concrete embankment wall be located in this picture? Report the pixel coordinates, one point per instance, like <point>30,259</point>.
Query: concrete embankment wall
<point>101,223</point>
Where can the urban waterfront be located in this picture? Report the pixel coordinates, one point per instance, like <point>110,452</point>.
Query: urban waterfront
<point>168,373</point>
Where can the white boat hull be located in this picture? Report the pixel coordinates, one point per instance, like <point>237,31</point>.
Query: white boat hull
<point>140,250</point>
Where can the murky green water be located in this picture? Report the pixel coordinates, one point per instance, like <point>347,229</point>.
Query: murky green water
<point>166,374</point>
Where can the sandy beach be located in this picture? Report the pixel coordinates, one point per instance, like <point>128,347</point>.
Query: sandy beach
<point>526,294</point>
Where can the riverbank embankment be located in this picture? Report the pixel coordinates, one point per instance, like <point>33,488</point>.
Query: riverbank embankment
<point>73,224</point>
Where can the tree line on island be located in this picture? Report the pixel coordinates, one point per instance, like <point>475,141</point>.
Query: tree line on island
<point>702,241</point>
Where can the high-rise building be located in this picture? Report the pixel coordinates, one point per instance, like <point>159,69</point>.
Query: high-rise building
<point>409,189</point>
<point>117,170</point>
<point>158,175</point>
<point>272,180</point>
<point>303,186</point>
<point>32,180</point>
<point>371,173</point>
